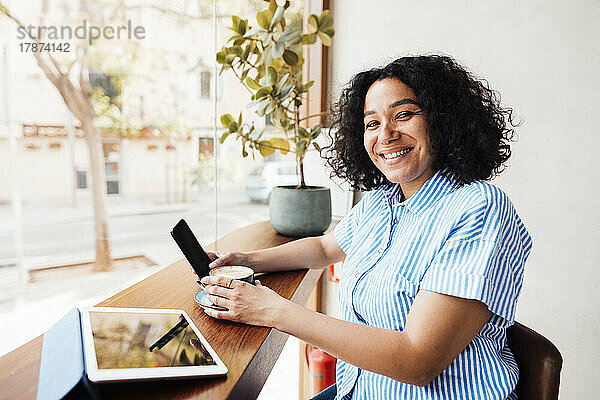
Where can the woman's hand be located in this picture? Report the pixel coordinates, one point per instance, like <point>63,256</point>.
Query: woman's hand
<point>246,303</point>
<point>220,259</point>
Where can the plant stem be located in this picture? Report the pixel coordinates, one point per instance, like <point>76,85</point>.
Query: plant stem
<point>301,165</point>
<point>242,81</point>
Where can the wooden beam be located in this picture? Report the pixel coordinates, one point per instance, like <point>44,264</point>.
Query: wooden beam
<point>316,67</point>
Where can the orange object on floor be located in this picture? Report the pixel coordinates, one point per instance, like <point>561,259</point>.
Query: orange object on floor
<point>322,369</point>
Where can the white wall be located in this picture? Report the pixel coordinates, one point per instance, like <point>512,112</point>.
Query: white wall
<point>544,58</point>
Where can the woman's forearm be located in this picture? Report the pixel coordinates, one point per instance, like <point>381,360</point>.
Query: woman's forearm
<point>378,350</point>
<point>303,253</point>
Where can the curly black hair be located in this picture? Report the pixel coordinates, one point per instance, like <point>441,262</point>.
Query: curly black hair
<point>469,130</point>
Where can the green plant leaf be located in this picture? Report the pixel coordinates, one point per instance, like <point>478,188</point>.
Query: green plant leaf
<point>309,39</point>
<point>282,144</point>
<point>303,132</point>
<point>239,25</point>
<point>328,31</point>
<point>270,77</point>
<point>281,82</point>
<point>278,49</point>
<point>325,20</point>
<point>226,120</point>
<point>263,92</point>
<point>270,107</point>
<point>285,91</point>
<point>233,127</point>
<point>239,121</point>
<point>262,108</point>
<point>316,146</point>
<point>300,148</point>
<point>246,53</point>
<point>266,58</point>
<point>224,136</point>
<point>264,150</point>
<point>272,5</point>
<point>264,18</point>
<point>252,84</point>
<point>254,31</point>
<point>235,20</point>
<point>289,34</point>
<point>277,16</point>
<point>237,50</point>
<point>221,57</point>
<point>256,102</point>
<point>314,132</point>
<point>325,38</point>
<point>290,58</point>
<point>313,23</point>
<point>308,84</point>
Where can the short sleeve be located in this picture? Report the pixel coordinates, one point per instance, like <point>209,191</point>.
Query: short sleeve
<point>483,256</point>
<point>345,229</point>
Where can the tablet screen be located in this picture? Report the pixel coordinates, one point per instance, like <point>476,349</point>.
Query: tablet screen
<point>145,340</point>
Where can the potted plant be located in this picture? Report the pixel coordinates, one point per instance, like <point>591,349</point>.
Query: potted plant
<point>267,61</point>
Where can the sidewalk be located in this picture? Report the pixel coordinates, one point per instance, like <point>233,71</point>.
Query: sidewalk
<point>53,220</point>
<point>137,227</point>
<point>57,212</point>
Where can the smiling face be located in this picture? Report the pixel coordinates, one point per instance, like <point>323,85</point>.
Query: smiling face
<point>395,136</point>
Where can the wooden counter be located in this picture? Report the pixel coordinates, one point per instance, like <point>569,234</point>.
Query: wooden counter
<point>249,352</point>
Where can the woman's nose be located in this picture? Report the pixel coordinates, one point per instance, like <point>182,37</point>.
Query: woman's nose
<point>388,133</point>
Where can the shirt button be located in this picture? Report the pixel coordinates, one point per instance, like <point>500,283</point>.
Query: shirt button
<point>395,221</point>
<point>380,250</point>
<point>356,275</point>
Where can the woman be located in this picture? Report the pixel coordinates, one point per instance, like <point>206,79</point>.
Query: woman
<point>433,255</point>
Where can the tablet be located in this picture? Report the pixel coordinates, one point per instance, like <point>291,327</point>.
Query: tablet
<point>128,344</point>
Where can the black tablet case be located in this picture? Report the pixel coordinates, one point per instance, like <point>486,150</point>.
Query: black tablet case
<point>62,366</point>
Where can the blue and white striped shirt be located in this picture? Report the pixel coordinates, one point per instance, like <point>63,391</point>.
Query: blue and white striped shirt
<point>465,241</point>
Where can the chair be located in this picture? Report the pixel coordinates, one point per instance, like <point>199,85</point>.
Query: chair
<point>539,363</point>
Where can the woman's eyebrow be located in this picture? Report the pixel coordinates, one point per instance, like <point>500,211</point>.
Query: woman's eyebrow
<point>396,104</point>
<point>403,102</point>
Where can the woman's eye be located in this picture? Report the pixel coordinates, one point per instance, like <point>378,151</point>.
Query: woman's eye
<point>370,124</point>
<point>403,115</point>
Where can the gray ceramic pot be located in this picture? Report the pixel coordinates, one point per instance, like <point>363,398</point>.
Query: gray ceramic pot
<point>300,212</point>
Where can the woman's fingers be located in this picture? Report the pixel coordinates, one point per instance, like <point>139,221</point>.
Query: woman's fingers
<point>220,301</point>
<point>216,290</point>
<point>217,314</point>
<point>221,259</point>
<point>222,281</point>
<point>213,255</point>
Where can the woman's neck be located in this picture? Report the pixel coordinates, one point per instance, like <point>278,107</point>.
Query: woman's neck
<point>410,188</point>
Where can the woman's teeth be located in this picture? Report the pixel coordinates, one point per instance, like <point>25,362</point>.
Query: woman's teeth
<point>397,154</point>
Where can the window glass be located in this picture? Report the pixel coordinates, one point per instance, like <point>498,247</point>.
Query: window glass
<point>156,102</point>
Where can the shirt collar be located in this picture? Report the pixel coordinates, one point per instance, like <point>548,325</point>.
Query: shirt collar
<point>440,184</point>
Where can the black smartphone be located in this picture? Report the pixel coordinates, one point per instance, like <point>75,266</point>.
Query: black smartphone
<point>191,249</point>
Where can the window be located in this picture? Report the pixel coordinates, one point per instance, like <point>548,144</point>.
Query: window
<point>204,84</point>
<point>81,179</point>
<point>112,187</point>
<point>205,146</point>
